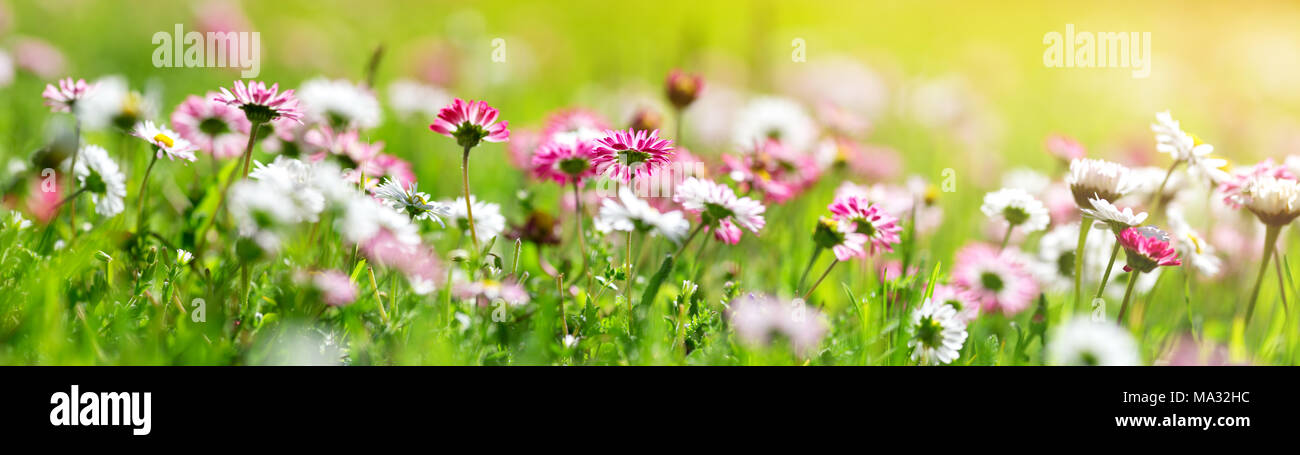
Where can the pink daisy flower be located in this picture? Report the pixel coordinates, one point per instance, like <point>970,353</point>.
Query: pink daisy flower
<point>964,302</point>
<point>774,169</point>
<point>1147,248</point>
<point>335,288</point>
<point>215,128</point>
<point>417,262</point>
<point>470,123</point>
<point>65,97</point>
<point>391,166</point>
<point>720,209</point>
<point>580,123</point>
<point>565,161</point>
<point>1236,183</point>
<point>1065,148</point>
<point>840,238</point>
<point>999,282</point>
<point>488,291</point>
<point>261,104</point>
<point>38,57</point>
<point>628,154</point>
<point>881,228</point>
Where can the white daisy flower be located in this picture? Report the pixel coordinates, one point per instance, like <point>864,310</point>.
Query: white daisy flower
<point>18,221</point>
<point>1031,181</point>
<point>339,103</point>
<point>937,334</point>
<point>1273,200</point>
<point>1054,262</point>
<point>183,257</point>
<point>298,181</point>
<point>488,220</point>
<point>410,98</point>
<point>1190,245</point>
<point>363,217</point>
<point>1084,342</point>
<point>259,208</point>
<point>758,319</point>
<point>774,118</point>
<point>1017,208</point>
<point>1100,179</point>
<point>1114,218</point>
<point>167,142</point>
<point>115,104</point>
<point>411,201</point>
<point>1184,147</point>
<point>100,176</point>
<point>630,213</point>
<point>720,201</point>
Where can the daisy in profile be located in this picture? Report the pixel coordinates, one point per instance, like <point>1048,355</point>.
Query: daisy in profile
<point>260,103</point>
<point>565,161</point>
<point>65,97</point>
<point>216,128</point>
<point>997,280</point>
<point>1117,220</point>
<point>841,238</point>
<point>937,334</point>
<point>115,104</point>
<point>488,291</point>
<point>626,155</point>
<point>880,228</point>
<point>489,222</point>
<point>775,118</point>
<point>1017,208</point>
<point>1186,148</point>
<point>720,209</point>
<point>631,214</point>
<point>1146,248</point>
<point>1098,179</point>
<point>1235,184</point>
<point>1083,342</point>
<point>1276,202</point>
<point>339,103</point>
<point>759,321</point>
<point>412,202</point>
<point>98,175</point>
<point>470,123</point>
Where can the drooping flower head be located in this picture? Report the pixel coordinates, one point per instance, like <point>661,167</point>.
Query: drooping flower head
<point>213,127</point>
<point>629,213</point>
<point>261,104</point>
<point>682,88</point>
<point>165,141</point>
<point>64,98</point>
<point>103,179</point>
<point>1100,179</point>
<point>407,199</point>
<point>470,123</point>
<point>565,161</point>
<point>938,333</point>
<point>625,155</point>
<point>759,320</point>
<point>1147,248</point>
<point>1271,199</point>
<point>840,237</point>
<point>881,228</point>
<point>1017,208</point>
<point>720,208</point>
<point>997,280</point>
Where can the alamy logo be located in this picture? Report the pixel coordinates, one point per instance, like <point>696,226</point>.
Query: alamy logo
<point>103,408</point>
<point>1099,50</point>
<point>241,50</point>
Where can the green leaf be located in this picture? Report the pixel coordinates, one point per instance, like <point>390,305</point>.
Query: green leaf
<point>652,288</point>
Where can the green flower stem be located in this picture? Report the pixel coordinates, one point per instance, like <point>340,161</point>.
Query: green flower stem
<point>817,252</point>
<point>144,192</point>
<point>469,209</point>
<point>1156,197</point>
<point>1128,294</point>
<point>1085,223</point>
<point>248,151</point>
<point>1270,241</point>
<point>1281,282</point>
<point>1105,277</point>
<point>1006,238</point>
<point>819,280</point>
<point>72,173</point>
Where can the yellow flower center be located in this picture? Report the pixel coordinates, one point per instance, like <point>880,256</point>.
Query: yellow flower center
<point>163,139</point>
<point>1196,241</point>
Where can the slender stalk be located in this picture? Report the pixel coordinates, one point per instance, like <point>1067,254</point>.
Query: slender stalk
<point>1157,196</point>
<point>144,193</point>
<point>469,209</point>
<point>1281,283</point>
<point>71,197</point>
<point>379,300</point>
<point>1128,294</point>
<point>819,280</point>
<point>694,232</point>
<point>564,320</point>
<point>1270,241</point>
<point>582,233</point>
<point>248,151</point>
<point>1085,224</point>
<point>817,252</point>
<point>200,237</point>
<point>72,172</point>
<point>1006,238</point>
<point>1105,277</point>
